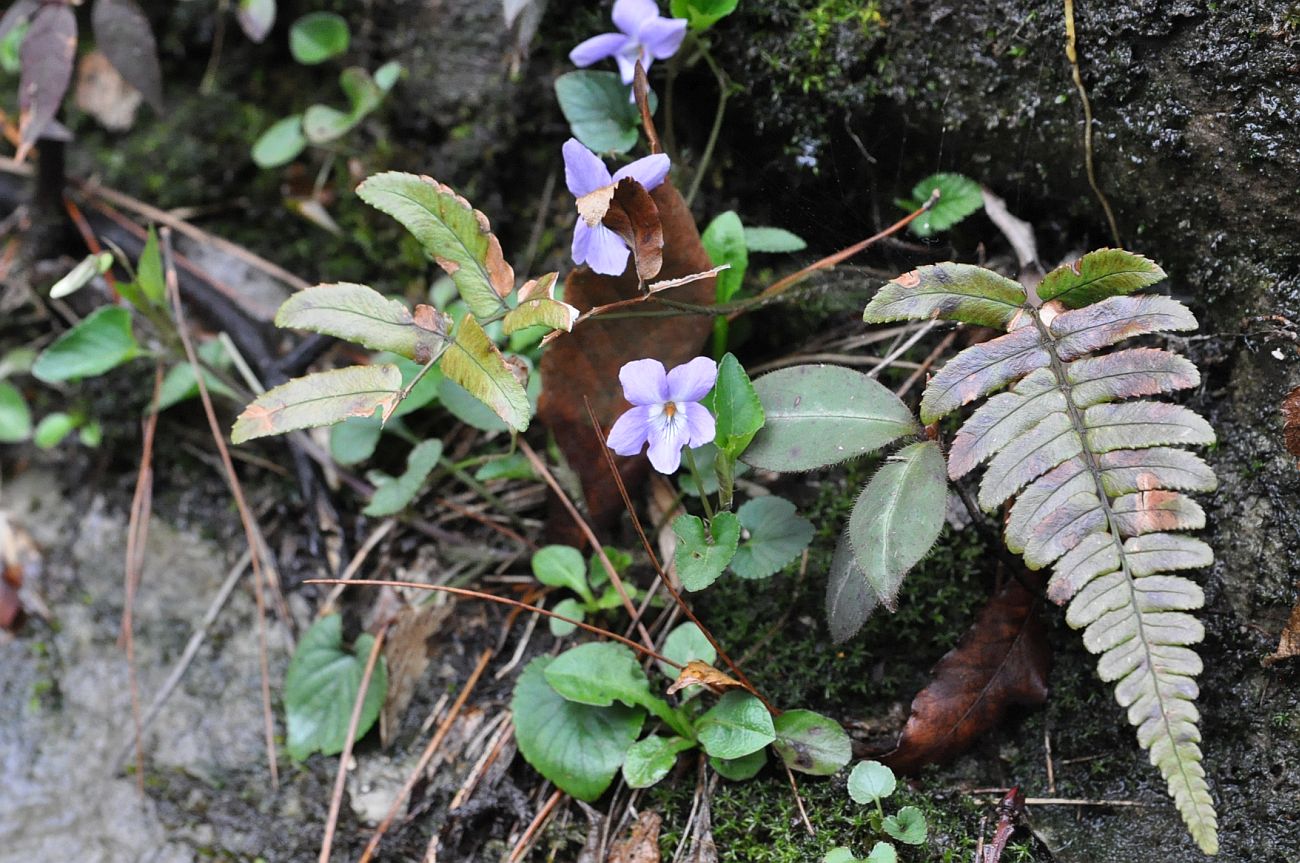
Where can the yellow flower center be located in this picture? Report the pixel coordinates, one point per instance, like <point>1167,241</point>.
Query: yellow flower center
<point>670,409</point>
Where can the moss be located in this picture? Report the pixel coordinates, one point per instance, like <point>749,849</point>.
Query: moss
<point>816,57</point>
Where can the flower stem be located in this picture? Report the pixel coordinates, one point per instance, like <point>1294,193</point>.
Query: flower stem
<point>699,482</point>
<point>724,93</point>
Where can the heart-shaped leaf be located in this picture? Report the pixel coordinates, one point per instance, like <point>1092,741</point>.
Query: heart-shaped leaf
<point>686,644</point>
<point>777,535</point>
<point>598,109</point>
<point>321,687</point>
<point>871,781</point>
<point>908,826</point>
<point>583,759</point>
<point>702,554</point>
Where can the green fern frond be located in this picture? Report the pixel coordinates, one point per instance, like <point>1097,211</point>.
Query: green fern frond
<point>1096,481</point>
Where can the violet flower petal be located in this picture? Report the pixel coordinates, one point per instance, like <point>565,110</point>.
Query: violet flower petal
<point>606,253</point>
<point>584,173</point>
<point>629,15</point>
<point>581,241</point>
<point>667,437</point>
<point>597,48</point>
<point>644,382</point>
<point>626,60</point>
<point>661,37</point>
<point>630,431</point>
<point>692,381</point>
<point>699,423</point>
<point>649,171</point>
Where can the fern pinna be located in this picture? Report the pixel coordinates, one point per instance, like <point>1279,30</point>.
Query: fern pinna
<point>1097,486</point>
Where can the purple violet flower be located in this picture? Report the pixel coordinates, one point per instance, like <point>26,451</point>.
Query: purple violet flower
<point>666,410</point>
<point>645,36</point>
<point>594,244</point>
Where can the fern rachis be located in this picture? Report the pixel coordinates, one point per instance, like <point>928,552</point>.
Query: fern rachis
<point>1097,482</point>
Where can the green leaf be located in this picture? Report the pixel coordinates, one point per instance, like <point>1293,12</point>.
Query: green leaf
<point>724,240</point>
<point>102,341</point>
<point>363,93</point>
<point>619,559</point>
<point>181,384</point>
<point>394,494</point>
<point>321,687</point>
<point>908,826</point>
<point>840,854</point>
<point>17,361</point>
<point>15,416</point>
<point>954,292</point>
<point>476,364</point>
<point>775,240</point>
<point>898,517</point>
<point>883,852</point>
<point>811,743</point>
<point>324,123</point>
<point>702,555</point>
<point>1097,275</point>
<point>649,760</point>
<point>958,197</point>
<point>512,466</point>
<point>871,781</point>
<point>80,275</point>
<point>571,608</point>
<point>598,109</point>
<point>736,407</point>
<point>576,746</point>
<point>354,440</point>
<point>91,434</point>
<point>457,237</point>
<point>823,415</point>
<point>684,644</point>
<point>599,673</point>
<point>318,37</point>
<point>850,599</point>
<point>280,144</point>
<point>703,14</point>
<point>562,566</point>
<point>740,769</point>
<point>708,460</point>
<point>387,75</point>
<point>149,271</point>
<point>776,536</point>
<point>736,726</point>
<point>362,315</point>
<point>319,399</point>
<point>53,428</point>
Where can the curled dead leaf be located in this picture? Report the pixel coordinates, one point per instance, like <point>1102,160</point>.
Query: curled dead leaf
<point>1291,423</point>
<point>593,206</point>
<point>698,673</point>
<point>642,844</point>
<point>632,215</point>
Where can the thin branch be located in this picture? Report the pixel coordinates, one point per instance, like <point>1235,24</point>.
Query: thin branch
<point>530,834</point>
<point>341,776</point>
<point>1072,54</point>
<point>251,534</point>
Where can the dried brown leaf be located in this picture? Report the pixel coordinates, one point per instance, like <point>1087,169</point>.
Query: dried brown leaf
<point>585,363</point>
<point>1291,423</point>
<point>698,673</point>
<point>104,94</point>
<point>407,653</point>
<point>46,56</point>
<point>1002,661</point>
<point>642,845</point>
<point>632,215</point>
<point>1288,644</point>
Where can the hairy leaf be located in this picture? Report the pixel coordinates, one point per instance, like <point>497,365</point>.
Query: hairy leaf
<point>850,599</point>
<point>458,237</point>
<point>1001,662</point>
<point>474,363</point>
<point>823,415</point>
<point>47,53</point>
<point>123,33</point>
<point>1099,489</point>
<point>362,315</point>
<point>898,517</point>
<point>319,399</point>
<point>1099,274</point>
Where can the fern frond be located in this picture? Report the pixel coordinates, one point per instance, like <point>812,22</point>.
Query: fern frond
<point>1098,485</point>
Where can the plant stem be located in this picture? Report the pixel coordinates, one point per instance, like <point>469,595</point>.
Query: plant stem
<point>724,93</point>
<point>699,482</point>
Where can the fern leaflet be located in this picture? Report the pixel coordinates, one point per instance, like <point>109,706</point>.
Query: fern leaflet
<point>1097,480</point>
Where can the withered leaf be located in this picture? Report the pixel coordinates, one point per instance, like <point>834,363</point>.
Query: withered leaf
<point>632,215</point>
<point>585,363</point>
<point>1288,644</point>
<point>46,56</point>
<point>1291,423</point>
<point>699,673</point>
<point>642,844</point>
<point>407,653</point>
<point>122,32</point>
<point>1002,661</point>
